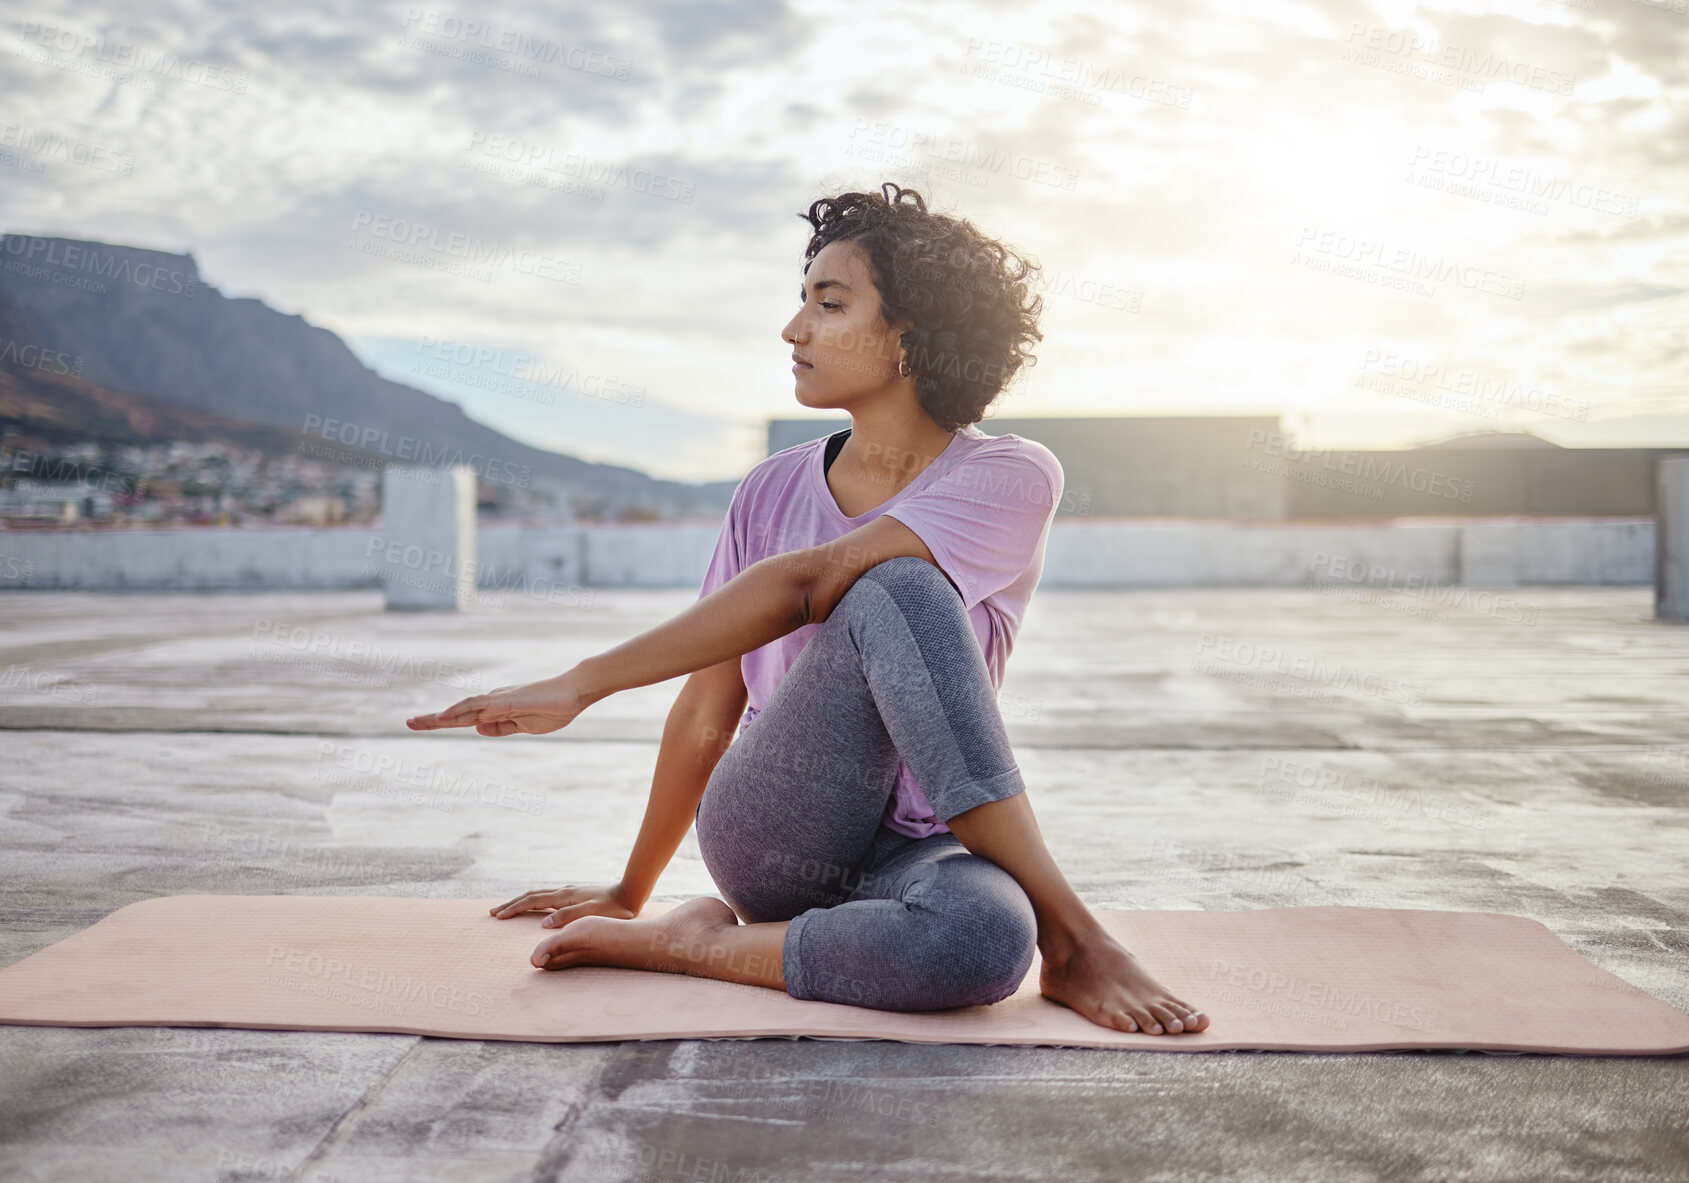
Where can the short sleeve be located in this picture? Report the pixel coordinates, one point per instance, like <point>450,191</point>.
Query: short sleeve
<point>729,557</point>
<point>985,518</point>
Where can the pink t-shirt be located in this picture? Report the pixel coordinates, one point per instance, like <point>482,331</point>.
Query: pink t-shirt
<point>983,508</point>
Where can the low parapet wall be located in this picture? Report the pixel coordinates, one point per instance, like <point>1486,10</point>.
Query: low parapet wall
<point>1102,553</point>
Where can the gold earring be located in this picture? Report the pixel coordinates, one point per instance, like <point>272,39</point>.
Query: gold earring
<point>903,370</point>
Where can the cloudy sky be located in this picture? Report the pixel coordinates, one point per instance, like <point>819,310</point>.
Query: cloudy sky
<point>1389,223</point>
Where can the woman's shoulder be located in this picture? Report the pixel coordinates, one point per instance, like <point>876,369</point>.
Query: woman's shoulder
<point>771,475</point>
<point>1011,448</point>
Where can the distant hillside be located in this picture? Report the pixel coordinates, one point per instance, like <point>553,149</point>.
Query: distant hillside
<point>144,321</point>
<point>44,401</point>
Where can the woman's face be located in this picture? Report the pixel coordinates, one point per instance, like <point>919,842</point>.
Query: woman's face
<point>851,354</point>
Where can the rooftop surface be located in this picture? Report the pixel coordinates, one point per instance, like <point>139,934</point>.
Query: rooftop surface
<point>1522,751</point>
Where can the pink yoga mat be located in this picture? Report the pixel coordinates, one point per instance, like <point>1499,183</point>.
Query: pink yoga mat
<point>1274,979</point>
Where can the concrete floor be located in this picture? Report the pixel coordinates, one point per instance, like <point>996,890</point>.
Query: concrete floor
<point>1521,752</point>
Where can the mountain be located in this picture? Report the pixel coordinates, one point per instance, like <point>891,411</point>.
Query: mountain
<point>1471,440</point>
<point>46,402</point>
<point>144,322</point>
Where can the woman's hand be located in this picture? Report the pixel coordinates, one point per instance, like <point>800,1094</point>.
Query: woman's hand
<point>570,903</point>
<point>531,709</point>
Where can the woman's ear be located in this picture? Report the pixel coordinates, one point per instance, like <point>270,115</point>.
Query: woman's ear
<point>894,334</point>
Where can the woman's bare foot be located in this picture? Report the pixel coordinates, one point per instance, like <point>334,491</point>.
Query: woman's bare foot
<point>701,937</point>
<point>1099,978</point>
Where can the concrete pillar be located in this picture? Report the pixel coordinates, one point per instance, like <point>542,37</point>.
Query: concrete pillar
<point>427,543</point>
<point>1671,540</point>
<point>1489,553</point>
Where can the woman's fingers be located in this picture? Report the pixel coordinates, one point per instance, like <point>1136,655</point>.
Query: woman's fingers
<point>519,904</point>
<point>481,710</point>
<point>528,901</point>
<point>546,900</point>
<point>509,710</point>
<point>452,716</point>
<point>487,717</point>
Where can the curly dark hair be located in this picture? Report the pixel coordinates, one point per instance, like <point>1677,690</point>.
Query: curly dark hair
<point>967,297</point>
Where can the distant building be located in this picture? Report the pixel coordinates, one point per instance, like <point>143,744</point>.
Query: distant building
<point>313,510</point>
<point>1484,473</point>
<point>53,501</point>
<point>1129,466</point>
<point>1245,467</point>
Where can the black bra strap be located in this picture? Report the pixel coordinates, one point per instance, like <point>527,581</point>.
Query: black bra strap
<point>835,444</point>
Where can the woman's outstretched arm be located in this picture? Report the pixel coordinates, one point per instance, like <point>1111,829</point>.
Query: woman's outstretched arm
<point>762,603</point>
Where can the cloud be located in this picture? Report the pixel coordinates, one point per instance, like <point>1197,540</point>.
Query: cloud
<point>1177,152</point>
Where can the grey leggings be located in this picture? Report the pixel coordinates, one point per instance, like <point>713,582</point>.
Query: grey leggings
<point>789,824</point>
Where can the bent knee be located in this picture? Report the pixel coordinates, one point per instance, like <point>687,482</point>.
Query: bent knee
<point>983,946</point>
<point>905,569</point>
<point>908,577</point>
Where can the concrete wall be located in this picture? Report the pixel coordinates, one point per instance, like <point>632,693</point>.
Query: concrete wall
<point>1484,553</point>
<point>547,561</point>
<point>1240,466</point>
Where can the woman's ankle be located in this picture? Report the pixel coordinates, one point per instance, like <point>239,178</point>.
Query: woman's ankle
<point>1059,941</point>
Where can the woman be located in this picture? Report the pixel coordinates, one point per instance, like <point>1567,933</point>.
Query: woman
<point>869,824</point>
